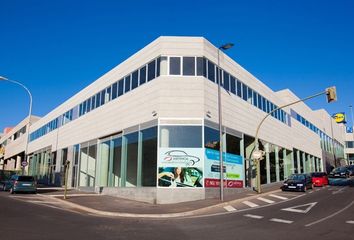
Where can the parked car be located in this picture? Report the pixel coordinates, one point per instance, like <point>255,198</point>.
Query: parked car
<point>19,183</point>
<point>319,179</point>
<point>5,176</point>
<point>298,182</point>
<point>339,172</point>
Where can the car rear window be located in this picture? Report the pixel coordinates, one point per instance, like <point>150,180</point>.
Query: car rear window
<point>318,174</point>
<point>25,179</point>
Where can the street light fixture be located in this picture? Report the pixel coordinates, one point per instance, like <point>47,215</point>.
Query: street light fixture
<point>222,47</point>
<point>29,114</point>
<point>257,155</point>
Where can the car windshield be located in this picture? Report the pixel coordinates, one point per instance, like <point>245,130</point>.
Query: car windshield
<point>340,169</point>
<point>25,179</point>
<point>296,177</point>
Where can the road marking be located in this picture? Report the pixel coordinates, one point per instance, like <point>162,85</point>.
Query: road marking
<point>253,216</point>
<point>318,190</point>
<point>265,200</point>
<point>276,196</point>
<point>330,216</point>
<point>250,204</point>
<point>310,191</point>
<point>338,191</point>
<point>280,220</point>
<point>43,202</point>
<point>297,210</point>
<point>350,222</point>
<point>230,208</point>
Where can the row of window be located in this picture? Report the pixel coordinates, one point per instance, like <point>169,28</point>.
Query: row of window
<point>137,78</point>
<point>201,66</point>
<point>327,143</point>
<point>349,144</point>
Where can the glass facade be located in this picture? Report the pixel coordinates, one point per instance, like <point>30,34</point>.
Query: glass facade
<point>129,160</point>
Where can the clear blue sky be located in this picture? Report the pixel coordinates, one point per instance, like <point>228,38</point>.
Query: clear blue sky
<point>56,48</point>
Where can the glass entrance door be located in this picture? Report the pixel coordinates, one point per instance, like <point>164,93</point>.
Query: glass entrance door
<point>88,156</point>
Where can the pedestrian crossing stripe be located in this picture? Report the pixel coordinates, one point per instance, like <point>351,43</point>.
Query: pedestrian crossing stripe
<point>250,204</point>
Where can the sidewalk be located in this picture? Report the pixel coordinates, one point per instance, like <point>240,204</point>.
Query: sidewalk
<point>114,206</point>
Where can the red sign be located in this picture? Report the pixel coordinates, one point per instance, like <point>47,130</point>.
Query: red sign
<point>209,182</point>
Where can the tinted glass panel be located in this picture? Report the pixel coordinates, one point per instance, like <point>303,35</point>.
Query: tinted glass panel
<point>211,71</point>
<point>181,136</point>
<point>120,87</point>
<point>114,90</point>
<point>134,79</point>
<point>244,92</point>
<point>98,97</point>
<point>127,84</point>
<point>232,85</point>
<point>239,88</point>
<point>149,156</point>
<point>175,66</point>
<point>103,93</point>
<point>142,76</point>
<point>226,79</point>
<point>200,66</point>
<point>189,66</point>
<point>151,70</point>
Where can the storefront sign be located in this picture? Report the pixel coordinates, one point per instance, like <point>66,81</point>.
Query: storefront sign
<point>339,117</point>
<point>180,167</point>
<point>233,169</point>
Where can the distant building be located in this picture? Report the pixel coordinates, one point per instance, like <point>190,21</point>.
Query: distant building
<point>148,129</point>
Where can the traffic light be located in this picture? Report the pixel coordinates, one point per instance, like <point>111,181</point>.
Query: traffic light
<point>331,94</point>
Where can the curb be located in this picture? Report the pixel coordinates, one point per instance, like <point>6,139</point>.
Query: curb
<point>152,215</point>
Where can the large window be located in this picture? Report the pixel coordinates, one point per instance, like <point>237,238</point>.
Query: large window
<point>211,71</point>
<point>175,66</point>
<point>211,138</point>
<point>181,136</point>
<point>189,66</point>
<point>149,156</point>
<point>132,159</point>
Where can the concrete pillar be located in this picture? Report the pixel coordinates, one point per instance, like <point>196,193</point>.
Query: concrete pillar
<point>277,163</point>
<point>292,162</point>
<point>18,162</point>
<point>103,163</point>
<point>304,170</point>
<point>286,163</point>
<point>309,158</point>
<point>247,153</point>
<point>298,161</point>
<point>267,162</point>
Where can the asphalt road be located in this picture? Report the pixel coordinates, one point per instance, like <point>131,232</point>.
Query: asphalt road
<point>324,214</point>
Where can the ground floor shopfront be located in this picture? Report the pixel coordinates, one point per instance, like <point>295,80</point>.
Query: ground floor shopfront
<point>169,160</point>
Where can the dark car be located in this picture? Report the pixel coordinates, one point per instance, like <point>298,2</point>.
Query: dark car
<point>319,179</point>
<point>298,182</point>
<point>5,176</point>
<point>339,172</point>
<point>19,183</point>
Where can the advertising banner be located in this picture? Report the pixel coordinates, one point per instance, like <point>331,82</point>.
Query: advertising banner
<point>233,169</point>
<point>180,167</point>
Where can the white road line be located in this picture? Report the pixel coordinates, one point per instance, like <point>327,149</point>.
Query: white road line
<point>318,190</point>
<point>230,208</point>
<point>280,220</point>
<point>350,222</point>
<point>250,204</point>
<point>43,202</point>
<point>253,216</point>
<point>310,191</point>
<point>276,196</point>
<point>265,200</point>
<point>330,216</point>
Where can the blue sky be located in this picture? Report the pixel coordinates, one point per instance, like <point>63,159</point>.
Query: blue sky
<point>56,48</point>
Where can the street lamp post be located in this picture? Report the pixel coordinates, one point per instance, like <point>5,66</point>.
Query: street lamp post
<point>257,155</point>
<point>29,114</point>
<point>223,47</point>
<point>352,116</point>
